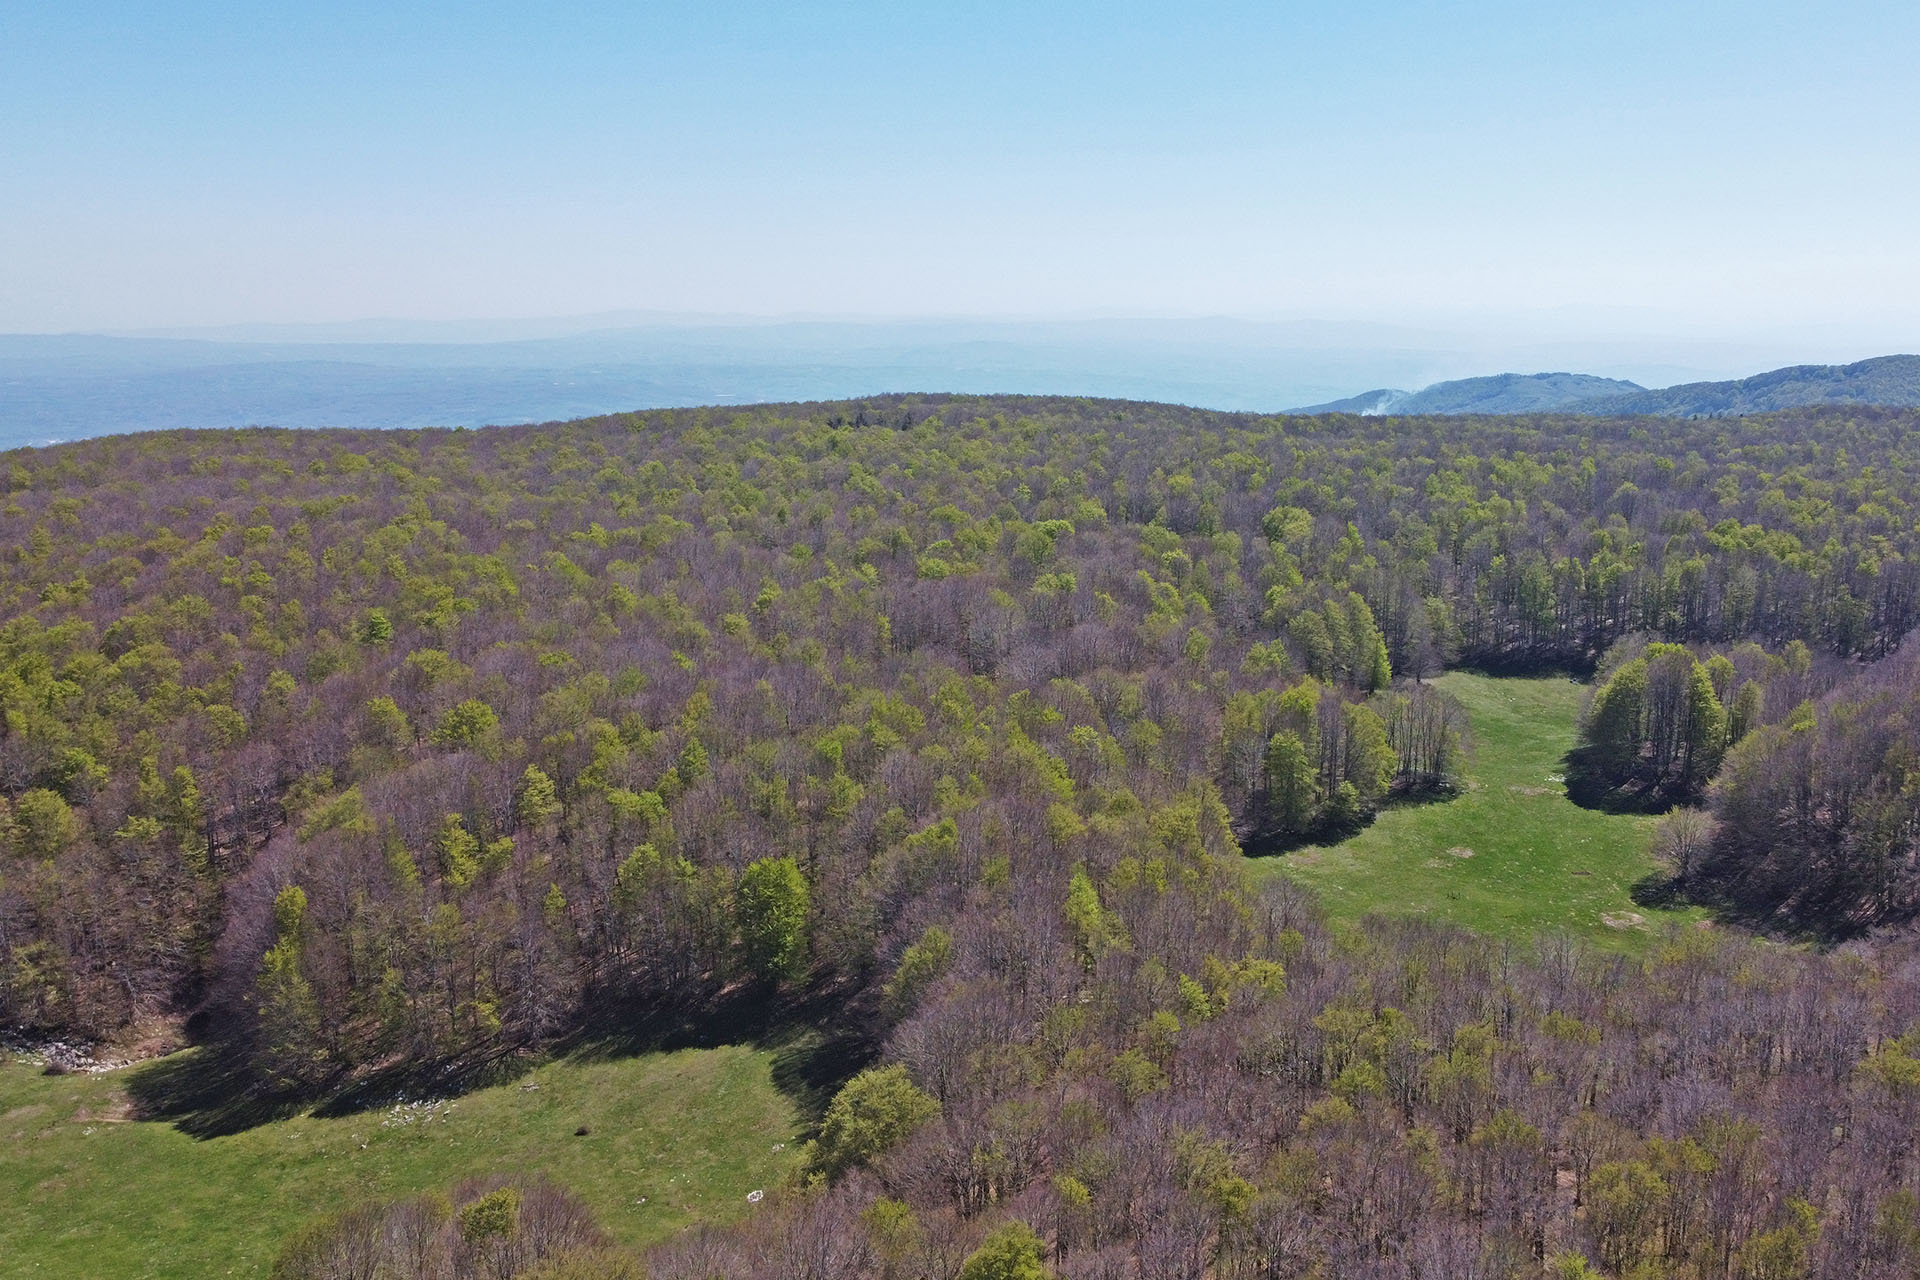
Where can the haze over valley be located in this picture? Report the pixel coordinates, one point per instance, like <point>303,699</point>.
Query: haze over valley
<point>65,387</point>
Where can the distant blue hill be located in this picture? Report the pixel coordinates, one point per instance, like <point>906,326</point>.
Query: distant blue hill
<point>1500,393</point>
<point>1886,380</point>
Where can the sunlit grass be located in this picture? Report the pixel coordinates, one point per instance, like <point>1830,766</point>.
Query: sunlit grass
<point>672,1139</point>
<point>1510,856</point>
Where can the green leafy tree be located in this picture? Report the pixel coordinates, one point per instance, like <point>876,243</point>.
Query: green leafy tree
<point>920,967</point>
<point>290,1048</point>
<point>494,1216</point>
<point>1095,929</point>
<point>1624,1200</point>
<point>376,628</point>
<point>471,723</point>
<point>1011,1251</point>
<point>45,823</point>
<point>873,1113</point>
<point>1313,643</point>
<point>537,801</point>
<point>1370,760</point>
<point>1291,783</point>
<point>1705,734</point>
<point>78,774</point>
<point>1614,719</point>
<point>387,724</point>
<point>1749,706</point>
<point>772,902</point>
<point>1785,1252</point>
<point>459,852</point>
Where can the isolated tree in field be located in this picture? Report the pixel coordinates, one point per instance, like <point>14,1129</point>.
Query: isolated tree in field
<point>1683,840</point>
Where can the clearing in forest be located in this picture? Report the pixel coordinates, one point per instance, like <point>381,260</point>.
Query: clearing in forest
<point>671,1139</point>
<point>1512,855</point>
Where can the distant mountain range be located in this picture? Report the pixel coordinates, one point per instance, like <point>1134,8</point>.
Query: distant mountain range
<point>1885,380</point>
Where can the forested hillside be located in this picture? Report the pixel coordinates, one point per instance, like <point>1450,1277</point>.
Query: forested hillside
<point>1815,818</point>
<point>1888,381</point>
<point>1496,393</point>
<point>369,748</point>
<point>1884,380</point>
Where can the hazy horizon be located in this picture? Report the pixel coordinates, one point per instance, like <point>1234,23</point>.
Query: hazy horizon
<point>1721,170</point>
<point>396,215</point>
<point>391,374</point>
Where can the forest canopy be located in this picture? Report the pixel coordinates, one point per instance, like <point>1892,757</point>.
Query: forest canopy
<point>367,749</point>
<point>529,712</point>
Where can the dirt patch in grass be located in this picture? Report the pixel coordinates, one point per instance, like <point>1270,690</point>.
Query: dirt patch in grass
<point>1622,919</point>
<point>1460,851</point>
<point>114,1109</point>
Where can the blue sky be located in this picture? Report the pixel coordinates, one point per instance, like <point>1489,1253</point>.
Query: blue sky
<point>1699,166</point>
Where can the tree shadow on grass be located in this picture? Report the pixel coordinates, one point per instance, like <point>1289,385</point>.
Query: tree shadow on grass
<point>810,1069</point>
<point>815,1040</point>
<point>209,1091</point>
<point>1660,891</point>
<point>1589,787</point>
<point>205,1093</point>
<point>1268,844</point>
<point>1530,665</point>
<point>411,1082</point>
<point>818,1038</point>
<point>1663,891</point>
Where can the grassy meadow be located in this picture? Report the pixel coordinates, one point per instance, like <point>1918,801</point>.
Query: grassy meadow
<point>1512,855</point>
<point>672,1139</point>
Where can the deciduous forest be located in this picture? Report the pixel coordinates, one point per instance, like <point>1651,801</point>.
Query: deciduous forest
<point>950,720</point>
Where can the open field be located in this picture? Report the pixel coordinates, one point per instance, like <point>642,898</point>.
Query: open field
<point>674,1138</point>
<point>1510,856</point>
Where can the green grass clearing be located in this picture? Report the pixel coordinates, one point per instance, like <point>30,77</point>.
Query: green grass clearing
<point>1510,856</point>
<point>675,1138</point>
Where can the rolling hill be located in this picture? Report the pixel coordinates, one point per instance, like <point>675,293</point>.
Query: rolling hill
<point>1886,380</point>
<point>1892,381</point>
<point>1499,393</point>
